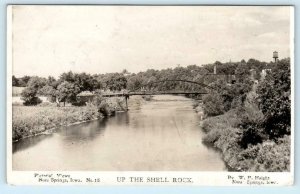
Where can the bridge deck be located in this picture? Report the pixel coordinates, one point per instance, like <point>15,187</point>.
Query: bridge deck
<point>150,93</point>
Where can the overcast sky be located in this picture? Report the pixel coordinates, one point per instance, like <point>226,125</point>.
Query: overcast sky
<point>50,40</point>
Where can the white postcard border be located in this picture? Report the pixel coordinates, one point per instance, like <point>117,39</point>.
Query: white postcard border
<point>141,177</point>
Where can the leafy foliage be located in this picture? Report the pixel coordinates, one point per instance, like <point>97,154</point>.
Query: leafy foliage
<point>67,92</point>
<point>257,139</point>
<point>48,91</point>
<point>29,96</point>
<point>30,92</point>
<point>15,81</point>
<point>213,104</point>
<point>274,100</point>
<point>20,82</point>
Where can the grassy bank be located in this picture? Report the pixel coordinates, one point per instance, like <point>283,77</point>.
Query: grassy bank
<point>223,132</point>
<point>33,120</point>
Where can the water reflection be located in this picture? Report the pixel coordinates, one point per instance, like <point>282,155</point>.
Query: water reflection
<point>28,142</point>
<point>123,118</point>
<point>162,134</point>
<point>85,131</point>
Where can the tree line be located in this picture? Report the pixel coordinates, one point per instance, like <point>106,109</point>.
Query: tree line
<point>260,103</point>
<point>69,84</point>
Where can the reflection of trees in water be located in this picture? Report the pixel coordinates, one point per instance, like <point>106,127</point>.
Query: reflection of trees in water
<point>87,131</point>
<point>28,142</point>
<point>121,118</point>
<point>84,131</point>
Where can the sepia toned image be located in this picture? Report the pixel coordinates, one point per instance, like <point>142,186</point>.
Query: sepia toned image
<point>150,88</point>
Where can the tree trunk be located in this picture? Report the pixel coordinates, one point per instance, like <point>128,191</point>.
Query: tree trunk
<point>57,102</point>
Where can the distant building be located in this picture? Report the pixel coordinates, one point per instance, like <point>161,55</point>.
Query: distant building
<point>264,72</point>
<point>85,96</point>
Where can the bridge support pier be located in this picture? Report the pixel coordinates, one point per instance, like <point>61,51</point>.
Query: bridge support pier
<point>126,103</point>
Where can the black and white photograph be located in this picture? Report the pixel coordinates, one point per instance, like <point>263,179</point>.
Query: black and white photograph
<point>195,90</point>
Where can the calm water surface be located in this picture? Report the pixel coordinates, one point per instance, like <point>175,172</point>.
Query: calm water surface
<point>161,134</point>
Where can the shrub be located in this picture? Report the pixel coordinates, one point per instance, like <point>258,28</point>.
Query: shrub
<point>79,102</point>
<point>29,96</point>
<point>30,92</point>
<point>251,135</point>
<point>90,112</point>
<point>213,104</point>
<point>274,157</point>
<point>104,106</point>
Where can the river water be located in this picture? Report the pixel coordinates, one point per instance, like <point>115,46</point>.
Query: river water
<point>157,135</point>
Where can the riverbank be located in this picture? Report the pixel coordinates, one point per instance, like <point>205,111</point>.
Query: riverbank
<point>30,121</point>
<point>34,120</point>
<point>223,132</point>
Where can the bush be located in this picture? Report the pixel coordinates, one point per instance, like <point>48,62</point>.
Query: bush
<point>104,106</point>
<point>103,109</point>
<point>30,92</point>
<point>32,101</point>
<point>250,119</point>
<point>29,96</point>
<point>251,135</point>
<point>215,127</point>
<point>213,104</point>
<point>90,112</point>
<point>244,144</point>
<point>79,102</point>
<point>274,157</point>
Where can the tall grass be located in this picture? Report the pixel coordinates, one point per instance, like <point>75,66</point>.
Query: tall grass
<point>31,120</point>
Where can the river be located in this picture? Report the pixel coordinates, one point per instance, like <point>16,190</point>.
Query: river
<point>158,135</point>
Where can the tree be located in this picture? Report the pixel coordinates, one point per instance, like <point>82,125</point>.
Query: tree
<point>134,83</point>
<point>24,80</point>
<point>69,77</point>
<point>48,91</point>
<point>85,82</point>
<point>115,82</point>
<point>15,81</point>
<point>51,81</point>
<point>242,73</point>
<point>30,92</point>
<point>67,92</point>
<point>213,104</point>
<point>227,68</point>
<point>239,93</point>
<point>274,99</point>
<point>125,72</point>
<point>29,96</point>
<point>36,82</point>
<point>218,63</point>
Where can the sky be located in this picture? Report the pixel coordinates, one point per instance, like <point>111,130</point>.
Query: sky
<point>50,40</point>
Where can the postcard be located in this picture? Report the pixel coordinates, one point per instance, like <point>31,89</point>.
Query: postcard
<point>150,95</point>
